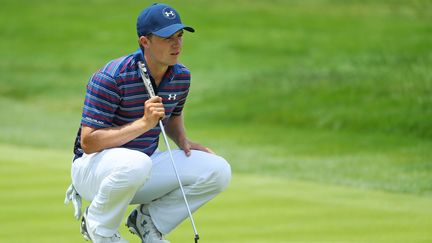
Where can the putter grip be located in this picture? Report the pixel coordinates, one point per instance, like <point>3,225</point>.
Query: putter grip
<point>146,79</point>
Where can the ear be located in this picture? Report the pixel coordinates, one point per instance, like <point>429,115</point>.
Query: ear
<point>144,41</point>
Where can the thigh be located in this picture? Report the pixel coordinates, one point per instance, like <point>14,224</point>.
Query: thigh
<point>163,179</point>
<point>90,170</point>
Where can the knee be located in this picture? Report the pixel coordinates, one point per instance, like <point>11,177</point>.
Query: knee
<point>221,174</point>
<point>136,169</point>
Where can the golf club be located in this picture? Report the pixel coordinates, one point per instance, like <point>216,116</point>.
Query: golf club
<point>147,83</point>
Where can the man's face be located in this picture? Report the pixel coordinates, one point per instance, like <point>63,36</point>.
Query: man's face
<point>165,51</point>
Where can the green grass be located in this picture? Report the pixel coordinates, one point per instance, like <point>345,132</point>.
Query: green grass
<point>322,107</point>
<point>255,208</point>
<point>377,161</point>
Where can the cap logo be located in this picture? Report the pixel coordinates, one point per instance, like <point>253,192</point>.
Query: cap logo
<point>168,13</point>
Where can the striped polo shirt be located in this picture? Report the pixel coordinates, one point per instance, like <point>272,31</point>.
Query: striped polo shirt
<point>116,94</point>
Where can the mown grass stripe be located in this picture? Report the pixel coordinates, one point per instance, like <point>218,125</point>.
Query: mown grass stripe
<point>254,208</point>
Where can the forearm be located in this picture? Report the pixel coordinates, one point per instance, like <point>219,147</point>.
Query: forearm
<point>96,140</point>
<point>175,129</point>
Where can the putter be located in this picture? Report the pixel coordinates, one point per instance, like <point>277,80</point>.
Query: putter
<point>147,83</point>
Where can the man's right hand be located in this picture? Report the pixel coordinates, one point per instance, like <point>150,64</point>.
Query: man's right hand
<point>97,139</point>
<point>153,111</point>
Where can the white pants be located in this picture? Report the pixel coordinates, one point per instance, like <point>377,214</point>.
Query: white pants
<point>114,178</point>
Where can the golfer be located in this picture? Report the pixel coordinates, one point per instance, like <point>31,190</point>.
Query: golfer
<point>116,159</point>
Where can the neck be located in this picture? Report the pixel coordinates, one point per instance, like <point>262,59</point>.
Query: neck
<point>157,70</point>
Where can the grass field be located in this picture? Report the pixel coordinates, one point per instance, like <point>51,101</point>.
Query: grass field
<point>255,208</point>
<point>322,107</point>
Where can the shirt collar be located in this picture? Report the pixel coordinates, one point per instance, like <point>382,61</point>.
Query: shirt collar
<point>139,56</point>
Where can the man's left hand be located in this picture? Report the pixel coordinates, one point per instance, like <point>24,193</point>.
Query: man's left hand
<point>188,145</point>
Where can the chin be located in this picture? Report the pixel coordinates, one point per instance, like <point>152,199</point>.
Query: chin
<point>173,62</point>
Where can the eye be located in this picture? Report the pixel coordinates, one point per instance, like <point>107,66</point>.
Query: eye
<point>173,38</point>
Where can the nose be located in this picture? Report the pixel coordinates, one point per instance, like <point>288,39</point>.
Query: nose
<point>177,42</point>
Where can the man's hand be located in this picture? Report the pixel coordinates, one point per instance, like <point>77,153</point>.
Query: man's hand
<point>153,111</point>
<point>187,145</point>
<point>175,129</point>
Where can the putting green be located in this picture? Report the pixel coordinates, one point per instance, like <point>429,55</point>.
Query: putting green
<point>253,209</point>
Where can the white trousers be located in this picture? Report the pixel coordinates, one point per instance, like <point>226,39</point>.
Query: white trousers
<point>114,178</point>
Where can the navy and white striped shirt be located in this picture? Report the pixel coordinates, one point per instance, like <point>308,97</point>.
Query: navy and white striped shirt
<point>116,95</point>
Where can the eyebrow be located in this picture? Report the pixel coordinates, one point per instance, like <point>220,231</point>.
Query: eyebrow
<point>180,32</point>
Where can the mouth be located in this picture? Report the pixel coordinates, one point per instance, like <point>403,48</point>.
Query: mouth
<point>175,53</point>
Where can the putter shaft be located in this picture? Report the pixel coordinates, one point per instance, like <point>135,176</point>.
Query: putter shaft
<point>179,181</point>
<point>147,84</point>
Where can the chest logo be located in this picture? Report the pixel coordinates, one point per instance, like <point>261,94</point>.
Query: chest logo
<point>172,96</point>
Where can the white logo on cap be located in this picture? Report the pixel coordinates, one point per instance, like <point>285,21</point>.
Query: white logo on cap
<point>168,13</point>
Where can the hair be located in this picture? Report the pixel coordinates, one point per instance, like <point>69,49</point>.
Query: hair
<point>148,36</point>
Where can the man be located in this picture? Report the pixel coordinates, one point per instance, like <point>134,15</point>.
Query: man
<point>116,161</point>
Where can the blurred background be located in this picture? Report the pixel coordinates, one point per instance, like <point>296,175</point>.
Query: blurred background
<point>322,107</point>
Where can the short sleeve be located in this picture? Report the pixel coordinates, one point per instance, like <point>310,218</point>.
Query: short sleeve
<point>101,101</point>
<point>179,107</point>
<point>183,79</point>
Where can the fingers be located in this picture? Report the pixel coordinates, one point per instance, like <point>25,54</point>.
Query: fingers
<point>153,110</point>
<point>155,107</point>
<point>157,111</point>
<point>205,149</point>
<point>208,150</point>
<point>185,146</point>
<point>187,150</point>
<point>154,99</point>
<point>200,147</point>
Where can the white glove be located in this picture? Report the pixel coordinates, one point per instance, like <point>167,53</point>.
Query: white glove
<point>72,195</point>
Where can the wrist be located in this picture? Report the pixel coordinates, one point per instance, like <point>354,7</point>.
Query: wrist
<point>181,140</point>
<point>144,124</point>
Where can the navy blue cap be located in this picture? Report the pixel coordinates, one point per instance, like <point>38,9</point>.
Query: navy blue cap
<point>161,20</point>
